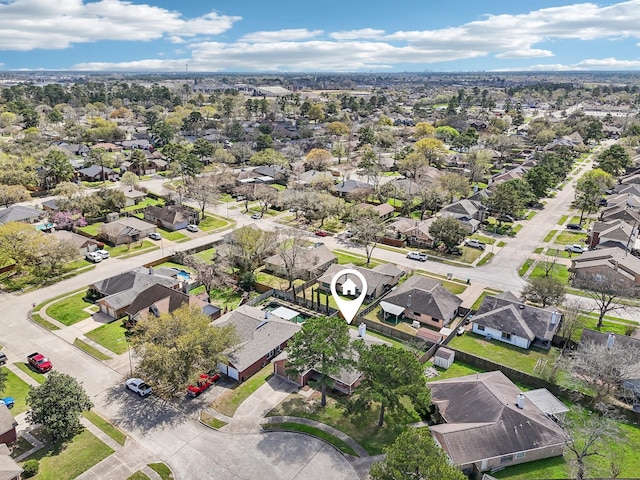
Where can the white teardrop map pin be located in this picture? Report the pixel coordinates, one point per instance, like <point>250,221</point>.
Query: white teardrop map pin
<point>348,308</point>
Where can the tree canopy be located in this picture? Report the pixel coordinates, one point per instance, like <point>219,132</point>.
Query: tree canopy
<point>447,230</point>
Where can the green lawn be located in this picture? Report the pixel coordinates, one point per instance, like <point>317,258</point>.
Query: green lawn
<point>45,323</point>
<point>274,281</point>
<point>569,238</point>
<point>17,388</point>
<point>70,310</point>
<point>38,377</point>
<point>90,349</point>
<point>525,267</point>
<point>482,238</point>
<point>161,469</point>
<point>94,229</point>
<point>210,222</point>
<point>173,236</point>
<point>501,243</point>
<point>225,297</point>
<point>211,420</point>
<point>561,272</point>
<point>563,219</point>
<point>375,315</point>
<point>111,336</point>
<point>453,287</point>
<point>138,476</point>
<point>504,354</point>
<point>486,259</point>
<point>131,249</point>
<point>207,255</point>
<point>358,260</point>
<point>147,202</point>
<point>361,427</point>
<point>68,461</point>
<point>106,427</point>
<point>550,235</point>
<point>558,253</point>
<point>457,369</point>
<point>479,300</point>
<point>228,402</point>
<point>313,431</point>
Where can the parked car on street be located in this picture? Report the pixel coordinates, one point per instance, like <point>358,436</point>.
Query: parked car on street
<point>322,233</point>
<point>470,242</point>
<point>94,257</point>
<point>575,248</point>
<point>137,385</point>
<point>256,216</point>
<point>421,257</point>
<point>206,380</point>
<point>192,228</point>
<point>574,226</point>
<point>155,236</point>
<point>103,253</point>
<point>39,362</point>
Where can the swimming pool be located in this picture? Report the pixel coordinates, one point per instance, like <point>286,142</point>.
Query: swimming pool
<point>286,312</point>
<point>183,275</point>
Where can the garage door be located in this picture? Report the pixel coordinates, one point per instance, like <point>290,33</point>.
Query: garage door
<point>222,367</point>
<point>233,373</point>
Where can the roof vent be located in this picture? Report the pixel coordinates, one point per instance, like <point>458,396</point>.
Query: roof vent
<point>520,401</point>
<point>521,306</point>
<point>610,341</point>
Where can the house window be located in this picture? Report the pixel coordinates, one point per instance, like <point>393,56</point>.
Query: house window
<point>519,455</point>
<point>480,327</point>
<point>506,336</point>
<point>416,314</point>
<point>506,459</point>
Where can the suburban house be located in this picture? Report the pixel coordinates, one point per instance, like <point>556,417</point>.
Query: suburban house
<point>159,299</point>
<point>607,265</point>
<point>352,187</point>
<point>615,233</point>
<point>20,213</point>
<point>126,230</point>
<point>82,243</point>
<point>609,340</point>
<point>171,217</point>
<point>421,299</point>
<point>620,211</point>
<point>405,186</point>
<point>380,279</point>
<point>9,468</point>
<point>384,210</point>
<point>413,232</point>
<point>469,212</point>
<point>506,318</point>
<point>276,173</point>
<point>116,294</point>
<point>77,149</point>
<point>8,425</point>
<point>485,423</point>
<point>311,177</point>
<point>94,173</point>
<point>345,381</point>
<point>133,197</point>
<point>262,336</point>
<point>109,147</point>
<point>312,262</point>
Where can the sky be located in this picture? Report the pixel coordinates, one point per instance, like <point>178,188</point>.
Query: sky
<point>321,36</point>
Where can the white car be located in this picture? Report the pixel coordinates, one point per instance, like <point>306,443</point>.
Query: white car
<point>94,257</point>
<point>192,228</point>
<point>155,236</point>
<point>422,257</point>
<point>256,216</point>
<point>575,248</point>
<point>474,244</point>
<point>137,385</point>
<point>103,253</point>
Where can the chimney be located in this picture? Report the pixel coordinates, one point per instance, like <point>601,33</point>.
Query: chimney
<point>150,270</point>
<point>520,401</point>
<point>362,330</point>
<point>409,301</point>
<point>267,314</point>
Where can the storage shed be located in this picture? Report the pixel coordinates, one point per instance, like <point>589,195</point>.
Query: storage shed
<point>444,357</point>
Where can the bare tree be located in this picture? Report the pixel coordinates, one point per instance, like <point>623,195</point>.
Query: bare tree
<point>544,290</point>
<point>248,248</point>
<point>604,289</point>
<point>367,231</point>
<point>291,249</point>
<point>206,188</point>
<point>603,368</point>
<point>572,321</point>
<point>211,275</point>
<point>548,263</point>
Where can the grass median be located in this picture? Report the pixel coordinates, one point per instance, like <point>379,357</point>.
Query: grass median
<point>314,432</point>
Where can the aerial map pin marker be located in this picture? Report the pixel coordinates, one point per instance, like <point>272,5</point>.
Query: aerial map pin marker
<point>348,308</point>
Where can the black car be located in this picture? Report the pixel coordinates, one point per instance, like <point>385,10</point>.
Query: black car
<point>574,226</point>
<point>3,358</point>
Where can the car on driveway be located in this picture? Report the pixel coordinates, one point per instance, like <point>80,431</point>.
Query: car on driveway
<point>3,358</point>
<point>421,257</point>
<point>256,216</point>
<point>322,233</point>
<point>574,226</point>
<point>505,218</point>
<point>103,253</point>
<point>8,401</point>
<point>575,248</point>
<point>474,243</point>
<point>192,228</point>
<point>155,236</point>
<point>94,257</point>
<point>206,380</point>
<point>137,385</point>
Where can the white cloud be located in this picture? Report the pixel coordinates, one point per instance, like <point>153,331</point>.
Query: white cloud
<point>291,34</point>
<point>364,33</point>
<point>528,53</point>
<point>45,24</point>
<point>587,64</point>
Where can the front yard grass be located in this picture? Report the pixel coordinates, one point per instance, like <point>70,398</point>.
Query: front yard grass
<point>94,229</point>
<point>314,432</point>
<point>525,267</point>
<point>486,259</point>
<point>569,238</point>
<point>561,272</point>
<point>38,377</point>
<point>18,389</point>
<point>503,353</point>
<point>44,323</point>
<point>176,236</point>
<point>106,427</point>
<point>131,249</point>
<point>228,402</point>
<point>70,310</point>
<point>91,350</point>
<point>362,427</point>
<point>111,336</point>
<point>358,260</point>
<point>67,461</point>
<point>483,239</point>
<point>161,469</point>
<point>211,222</point>
<point>549,236</point>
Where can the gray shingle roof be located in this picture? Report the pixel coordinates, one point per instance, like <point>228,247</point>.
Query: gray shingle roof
<point>18,213</point>
<point>426,296</point>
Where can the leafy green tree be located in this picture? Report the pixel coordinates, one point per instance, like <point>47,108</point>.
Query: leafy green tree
<point>424,129</point>
<point>130,180</point>
<point>10,194</point>
<point>175,348</point>
<point>614,160</point>
<point>589,190</point>
<point>446,133</point>
<point>545,290</point>
<point>391,373</point>
<point>540,179</point>
<point>264,142</point>
<point>413,164</point>
<point>366,136</point>
<point>57,405</point>
<point>162,132</point>
<point>57,168</point>
<point>447,230</point>
<point>432,148</point>
<point>268,156</point>
<point>414,455</point>
<point>479,164</point>
<point>454,185</point>
<point>203,148</point>
<point>510,197</point>
<point>100,157</point>
<point>323,343</point>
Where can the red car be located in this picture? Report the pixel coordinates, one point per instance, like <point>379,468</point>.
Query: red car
<point>39,362</point>
<point>206,380</point>
<point>322,233</point>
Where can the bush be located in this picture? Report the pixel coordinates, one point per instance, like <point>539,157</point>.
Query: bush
<point>31,468</point>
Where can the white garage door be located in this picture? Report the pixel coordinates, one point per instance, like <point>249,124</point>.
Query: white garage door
<point>233,373</point>
<point>222,367</point>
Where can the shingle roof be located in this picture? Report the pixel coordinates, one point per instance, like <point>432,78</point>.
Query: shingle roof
<point>18,213</point>
<point>155,293</point>
<point>310,258</point>
<point>483,421</point>
<point>426,296</point>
